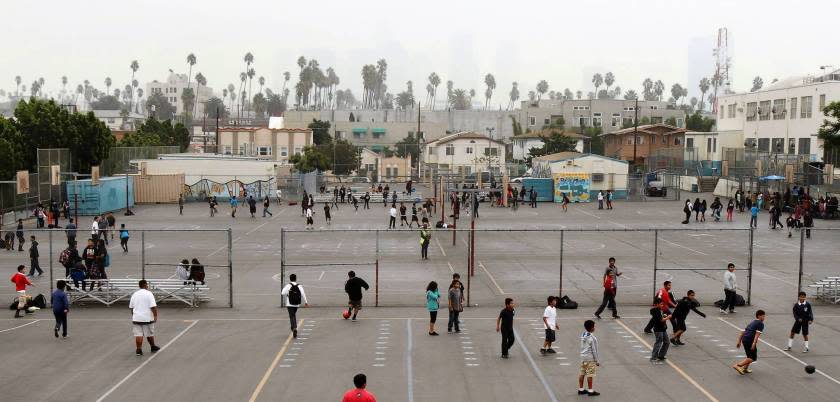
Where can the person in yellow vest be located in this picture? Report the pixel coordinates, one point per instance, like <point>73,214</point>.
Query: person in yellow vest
<point>425,239</point>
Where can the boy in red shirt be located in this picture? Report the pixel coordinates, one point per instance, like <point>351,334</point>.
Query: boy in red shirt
<point>21,282</point>
<point>609,296</point>
<point>359,394</point>
<point>667,298</point>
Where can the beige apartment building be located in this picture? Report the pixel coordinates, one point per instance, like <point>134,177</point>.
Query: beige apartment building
<point>278,144</point>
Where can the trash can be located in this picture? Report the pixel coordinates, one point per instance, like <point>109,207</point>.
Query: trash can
<point>694,188</point>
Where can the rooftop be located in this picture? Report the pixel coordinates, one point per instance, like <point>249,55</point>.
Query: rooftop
<point>659,128</point>
<point>548,133</point>
<point>463,135</point>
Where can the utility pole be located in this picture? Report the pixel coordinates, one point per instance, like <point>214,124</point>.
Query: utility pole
<point>217,131</point>
<point>635,129</point>
<point>418,140</point>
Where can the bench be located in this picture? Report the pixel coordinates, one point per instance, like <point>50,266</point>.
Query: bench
<point>110,291</point>
<point>827,289</point>
<point>375,198</point>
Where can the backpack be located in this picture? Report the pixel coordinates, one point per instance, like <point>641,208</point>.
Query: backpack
<point>64,258</point>
<point>566,303</point>
<point>40,301</point>
<point>294,295</point>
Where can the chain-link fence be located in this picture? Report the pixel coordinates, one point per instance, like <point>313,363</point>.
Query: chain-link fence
<point>14,206</point>
<point>151,254</point>
<point>118,159</point>
<point>47,158</point>
<point>525,264</point>
<point>212,186</point>
<point>819,274</point>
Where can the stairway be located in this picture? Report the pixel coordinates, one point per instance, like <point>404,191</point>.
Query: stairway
<point>706,184</point>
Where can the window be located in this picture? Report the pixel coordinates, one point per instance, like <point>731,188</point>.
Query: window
<point>242,149</point>
<point>653,139</point>
<point>583,121</point>
<point>779,109</point>
<point>640,140</point>
<point>370,167</point>
<point>532,121</point>
<point>792,108</point>
<point>806,104</point>
<point>630,109</point>
<point>597,120</point>
<point>395,171</point>
<point>778,145</point>
<point>110,120</point>
<point>656,120</point>
<point>764,144</point>
<point>581,108</point>
<point>731,111</point>
<point>654,107</point>
<point>627,121</point>
<point>822,102</point>
<point>680,122</point>
<point>677,141</point>
<point>664,140</point>
<point>615,121</point>
<point>764,110</point>
<point>227,150</point>
<point>804,146</point>
<point>431,150</point>
<point>711,145</point>
<point>791,146</point>
<point>491,151</point>
<point>297,150</point>
<point>751,111</point>
<point>450,150</point>
<point>469,150</point>
<point>284,151</point>
<point>339,135</point>
<point>547,121</point>
<point>689,142</point>
<point>264,151</point>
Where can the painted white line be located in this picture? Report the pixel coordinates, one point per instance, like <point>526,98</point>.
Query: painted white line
<point>670,363</point>
<point>441,247</point>
<point>256,228</point>
<point>583,211</point>
<point>681,246</point>
<point>452,270</point>
<point>19,326</point>
<point>409,369</point>
<point>145,362</point>
<point>321,276</point>
<point>499,288</point>
<point>820,372</point>
<point>534,366</point>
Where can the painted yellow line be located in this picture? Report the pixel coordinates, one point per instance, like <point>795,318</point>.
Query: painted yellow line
<point>273,365</point>
<point>499,288</point>
<point>670,363</point>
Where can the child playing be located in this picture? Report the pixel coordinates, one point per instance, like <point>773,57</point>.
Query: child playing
<point>803,316</point>
<point>123,238</point>
<point>550,323</point>
<point>749,338</point>
<point>659,316</point>
<point>60,306</point>
<point>588,358</point>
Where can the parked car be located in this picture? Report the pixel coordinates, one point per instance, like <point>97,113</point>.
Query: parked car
<point>656,188</point>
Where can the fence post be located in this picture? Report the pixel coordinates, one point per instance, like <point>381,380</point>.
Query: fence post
<point>469,259</point>
<point>51,259</point>
<point>230,266</point>
<point>143,254</point>
<point>801,262</point>
<point>282,264</point>
<point>750,268</point>
<point>376,284</point>
<point>655,257</point>
<point>560,294</point>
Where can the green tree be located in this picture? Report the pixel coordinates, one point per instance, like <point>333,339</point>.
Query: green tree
<point>671,121</point>
<point>490,81</point>
<point>200,80</point>
<point>154,132</point>
<point>758,82</point>
<point>517,128</point>
<point>162,108</point>
<point>107,102</point>
<point>697,122</point>
<point>213,106</point>
<point>310,160</point>
<point>134,67</point>
<point>704,87</point>
<point>513,95</point>
<point>275,105</point>
<point>11,143</point>
<point>188,99</point>
<point>597,80</point>
<point>542,88</point>
<point>259,105</point>
<point>320,132</point>
<point>829,131</point>
<point>552,143</point>
<point>408,146</point>
<point>594,144</point>
<point>346,157</point>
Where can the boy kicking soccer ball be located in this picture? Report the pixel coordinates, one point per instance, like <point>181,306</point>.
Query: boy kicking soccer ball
<point>749,338</point>
<point>803,316</point>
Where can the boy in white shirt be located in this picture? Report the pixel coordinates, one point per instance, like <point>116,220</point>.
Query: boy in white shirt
<point>143,317</point>
<point>550,324</point>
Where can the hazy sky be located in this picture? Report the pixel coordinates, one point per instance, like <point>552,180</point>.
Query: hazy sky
<point>563,42</point>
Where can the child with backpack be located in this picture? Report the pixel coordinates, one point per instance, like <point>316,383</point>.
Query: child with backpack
<point>294,295</point>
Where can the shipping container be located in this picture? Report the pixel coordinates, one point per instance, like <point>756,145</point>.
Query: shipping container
<point>109,195</point>
<point>157,189</point>
<point>543,186</point>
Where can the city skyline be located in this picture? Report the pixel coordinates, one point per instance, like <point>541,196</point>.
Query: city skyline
<point>87,43</point>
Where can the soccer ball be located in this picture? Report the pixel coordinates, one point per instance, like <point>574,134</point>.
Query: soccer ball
<point>810,369</point>
<point>345,314</point>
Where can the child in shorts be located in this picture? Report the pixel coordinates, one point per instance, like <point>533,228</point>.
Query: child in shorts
<point>588,359</point>
<point>749,338</point>
<point>803,316</point>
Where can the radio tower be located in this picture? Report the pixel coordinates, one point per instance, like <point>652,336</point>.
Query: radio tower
<point>721,77</point>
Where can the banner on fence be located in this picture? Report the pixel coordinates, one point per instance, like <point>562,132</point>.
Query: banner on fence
<point>574,185</point>
<point>94,175</point>
<point>55,175</point>
<point>22,182</point>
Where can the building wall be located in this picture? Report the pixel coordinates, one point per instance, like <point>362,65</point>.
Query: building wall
<point>465,156</point>
<point>276,144</point>
<point>620,146</point>
<point>614,173</point>
<point>218,169</point>
<point>786,127</point>
<point>394,168</point>
<point>573,111</point>
<point>173,88</point>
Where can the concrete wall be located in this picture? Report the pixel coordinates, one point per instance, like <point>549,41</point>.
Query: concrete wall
<point>219,170</point>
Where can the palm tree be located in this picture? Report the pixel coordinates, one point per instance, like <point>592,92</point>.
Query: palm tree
<point>301,62</point>
<point>251,74</point>
<point>134,85</point>
<point>630,95</point>
<point>248,59</point>
<point>134,67</point>
<point>658,89</point>
<point>242,77</point>
<point>579,94</point>
<point>676,92</point>
<point>597,80</point>
<point>63,85</point>
<point>199,81</point>
<point>434,80</point>
<point>704,86</point>
<point>41,86</point>
<point>231,88</point>
<point>261,81</point>
<point>224,95</point>
<point>17,85</point>
<point>647,89</point>
<point>609,79</point>
<point>514,95</point>
<point>191,60</point>
<point>490,81</point>
<point>79,90</point>
<point>286,77</point>
<point>542,88</point>
<point>139,97</point>
<point>108,83</point>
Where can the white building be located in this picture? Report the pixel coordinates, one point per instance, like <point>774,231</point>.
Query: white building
<point>523,143</point>
<point>582,176</point>
<point>115,121</point>
<point>464,153</point>
<point>173,88</point>
<point>782,118</point>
